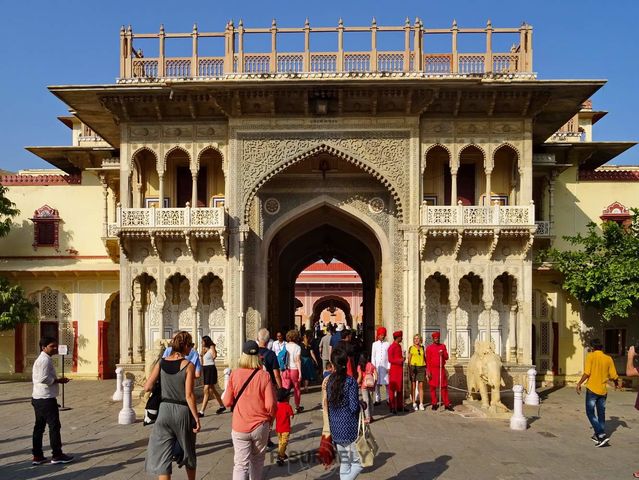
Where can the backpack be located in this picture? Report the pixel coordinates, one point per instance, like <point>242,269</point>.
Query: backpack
<point>153,404</point>
<point>369,379</point>
<point>282,358</point>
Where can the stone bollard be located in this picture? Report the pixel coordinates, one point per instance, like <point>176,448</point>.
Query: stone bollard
<point>518,421</point>
<point>532,398</point>
<point>227,374</point>
<point>127,414</point>
<point>119,375</point>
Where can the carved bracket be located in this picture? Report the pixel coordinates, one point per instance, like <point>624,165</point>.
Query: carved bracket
<point>493,244</point>
<point>156,244</point>
<point>458,244</point>
<point>529,242</point>
<point>191,243</point>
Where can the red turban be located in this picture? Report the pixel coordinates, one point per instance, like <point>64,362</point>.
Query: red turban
<point>397,334</point>
<point>435,335</point>
<point>381,331</point>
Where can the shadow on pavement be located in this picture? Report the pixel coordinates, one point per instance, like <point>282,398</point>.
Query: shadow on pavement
<point>426,470</point>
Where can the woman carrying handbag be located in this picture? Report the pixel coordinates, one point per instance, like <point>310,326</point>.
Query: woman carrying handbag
<point>343,408</point>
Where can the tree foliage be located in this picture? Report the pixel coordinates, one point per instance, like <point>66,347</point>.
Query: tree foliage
<point>8,210</point>
<point>14,307</point>
<point>603,270</point>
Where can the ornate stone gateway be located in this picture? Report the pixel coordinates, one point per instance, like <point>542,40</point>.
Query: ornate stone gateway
<point>413,167</point>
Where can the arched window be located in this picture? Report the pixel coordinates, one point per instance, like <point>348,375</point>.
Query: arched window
<point>45,227</point>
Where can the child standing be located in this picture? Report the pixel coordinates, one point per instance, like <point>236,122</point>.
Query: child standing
<point>367,379</point>
<point>283,423</point>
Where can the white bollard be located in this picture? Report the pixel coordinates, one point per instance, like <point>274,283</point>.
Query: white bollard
<point>119,375</point>
<point>227,374</point>
<point>532,398</point>
<point>518,421</point>
<point>127,414</point>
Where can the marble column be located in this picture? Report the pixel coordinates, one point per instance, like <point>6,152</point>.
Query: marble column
<point>488,308</point>
<point>161,190</point>
<point>488,200</point>
<point>193,188</point>
<point>512,333</point>
<point>453,187</point>
<point>452,340</point>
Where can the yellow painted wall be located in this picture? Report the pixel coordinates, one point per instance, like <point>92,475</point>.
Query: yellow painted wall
<point>80,207</point>
<point>577,203</point>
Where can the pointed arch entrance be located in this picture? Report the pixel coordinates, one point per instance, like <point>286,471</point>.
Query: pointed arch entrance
<point>323,231</point>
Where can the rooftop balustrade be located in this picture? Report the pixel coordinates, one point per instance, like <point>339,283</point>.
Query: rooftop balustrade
<point>415,58</point>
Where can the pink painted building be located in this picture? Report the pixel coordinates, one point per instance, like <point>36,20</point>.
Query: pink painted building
<point>328,292</point>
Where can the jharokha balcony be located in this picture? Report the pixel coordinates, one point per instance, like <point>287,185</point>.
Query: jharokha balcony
<point>189,224</point>
<point>416,59</point>
<point>490,222</point>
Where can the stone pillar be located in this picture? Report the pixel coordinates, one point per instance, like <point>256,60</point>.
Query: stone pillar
<point>452,341</point>
<point>126,352</point>
<point>161,189</point>
<point>127,414</point>
<point>194,188</point>
<point>488,200</point>
<point>453,187</point>
<point>138,333</point>
<point>551,200</point>
<point>488,310</point>
<point>512,333</point>
<point>196,323</point>
<point>105,210</point>
<point>119,376</point>
<point>518,421</point>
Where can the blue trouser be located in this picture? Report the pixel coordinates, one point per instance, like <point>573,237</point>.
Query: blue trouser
<point>598,403</point>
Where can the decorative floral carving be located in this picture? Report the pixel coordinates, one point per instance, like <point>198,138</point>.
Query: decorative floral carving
<point>376,205</point>
<point>271,206</point>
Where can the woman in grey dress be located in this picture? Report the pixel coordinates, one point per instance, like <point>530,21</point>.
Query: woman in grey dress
<point>177,416</point>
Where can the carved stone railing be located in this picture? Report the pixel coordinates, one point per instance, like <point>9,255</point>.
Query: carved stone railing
<point>543,228</point>
<point>111,230</point>
<point>413,59</point>
<point>170,218</point>
<point>460,216</point>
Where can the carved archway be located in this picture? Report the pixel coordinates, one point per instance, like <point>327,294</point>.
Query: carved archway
<point>332,302</point>
<point>323,148</point>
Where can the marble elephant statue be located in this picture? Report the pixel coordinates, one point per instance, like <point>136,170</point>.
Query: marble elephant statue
<point>484,374</point>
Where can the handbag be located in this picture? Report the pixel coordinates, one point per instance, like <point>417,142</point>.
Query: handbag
<point>365,444</point>
<point>326,450</point>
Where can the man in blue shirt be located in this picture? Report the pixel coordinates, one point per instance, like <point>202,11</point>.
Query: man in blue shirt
<point>192,357</point>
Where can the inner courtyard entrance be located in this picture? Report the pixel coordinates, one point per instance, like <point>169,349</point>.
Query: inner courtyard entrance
<point>326,233</point>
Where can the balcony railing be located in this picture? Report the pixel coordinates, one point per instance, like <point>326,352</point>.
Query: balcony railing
<point>543,228</point>
<point>460,216</point>
<point>170,218</point>
<point>414,58</point>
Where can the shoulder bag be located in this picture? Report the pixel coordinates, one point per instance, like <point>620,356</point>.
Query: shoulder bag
<point>365,444</point>
<point>326,450</point>
<point>239,394</point>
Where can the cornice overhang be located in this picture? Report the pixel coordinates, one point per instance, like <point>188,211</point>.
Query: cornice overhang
<point>72,160</point>
<point>549,103</point>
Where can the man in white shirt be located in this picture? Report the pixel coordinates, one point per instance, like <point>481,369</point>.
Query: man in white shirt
<point>278,345</point>
<point>45,405</point>
<point>379,359</point>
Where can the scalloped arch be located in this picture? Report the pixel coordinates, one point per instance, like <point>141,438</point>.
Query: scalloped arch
<point>481,149</point>
<point>205,149</point>
<point>174,149</point>
<point>323,148</point>
<point>506,145</point>
<point>140,150</point>
<point>433,146</point>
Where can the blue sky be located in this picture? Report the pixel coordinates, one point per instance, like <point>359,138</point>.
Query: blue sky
<point>76,42</point>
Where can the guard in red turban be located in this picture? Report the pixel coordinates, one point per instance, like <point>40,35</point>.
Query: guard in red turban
<point>396,374</point>
<point>436,356</point>
<point>381,332</point>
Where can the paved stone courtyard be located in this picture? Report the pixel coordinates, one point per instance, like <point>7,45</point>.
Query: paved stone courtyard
<point>419,445</point>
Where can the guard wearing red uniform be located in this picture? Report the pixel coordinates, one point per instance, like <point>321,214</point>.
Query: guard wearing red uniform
<point>436,356</point>
<point>396,374</point>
